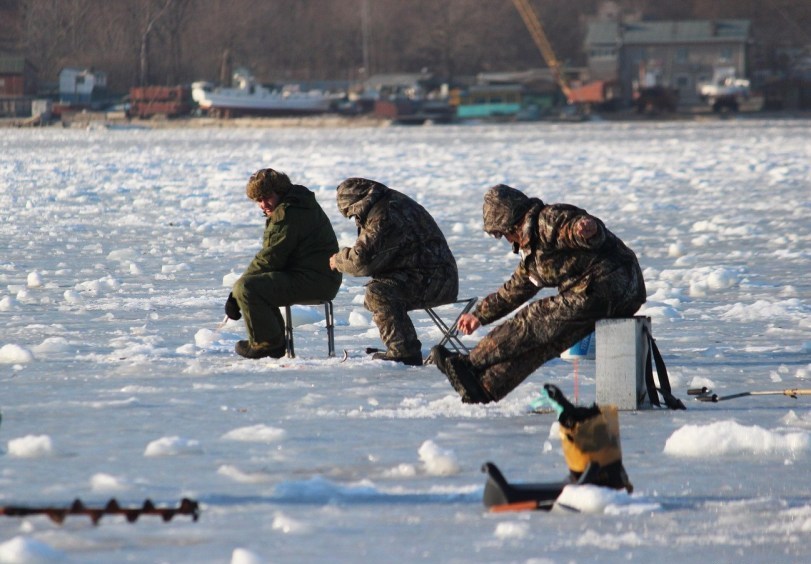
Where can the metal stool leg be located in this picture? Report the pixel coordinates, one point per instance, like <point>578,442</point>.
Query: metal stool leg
<point>450,333</point>
<point>330,318</point>
<point>288,332</point>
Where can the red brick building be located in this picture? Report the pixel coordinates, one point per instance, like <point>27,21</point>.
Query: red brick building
<point>18,84</point>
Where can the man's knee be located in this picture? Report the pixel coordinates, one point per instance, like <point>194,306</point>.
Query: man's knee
<point>247,288</point>
<point>378,297</point>
<point>239,289</point>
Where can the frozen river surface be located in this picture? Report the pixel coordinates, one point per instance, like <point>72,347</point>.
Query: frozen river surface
<point>118,248</point>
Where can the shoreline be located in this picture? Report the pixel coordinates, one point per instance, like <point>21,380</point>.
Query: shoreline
<point>116,120</point>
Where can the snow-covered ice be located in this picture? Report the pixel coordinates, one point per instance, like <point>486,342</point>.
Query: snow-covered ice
<point>119,377</point>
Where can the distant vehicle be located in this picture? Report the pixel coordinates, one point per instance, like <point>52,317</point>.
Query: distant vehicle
<point>726,91</point>
<point>655,99</point>
<point>250,98</point>
<point>168,101</point>
<point>651,94</point>
<point>489,102</point>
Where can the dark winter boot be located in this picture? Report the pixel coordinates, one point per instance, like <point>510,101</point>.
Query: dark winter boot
<point>260,350</point>
<point>464,378</point>
<point>409,360</point>
<point>612,476</point>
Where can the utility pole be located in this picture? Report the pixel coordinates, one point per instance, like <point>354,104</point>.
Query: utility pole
<point>364,23</point>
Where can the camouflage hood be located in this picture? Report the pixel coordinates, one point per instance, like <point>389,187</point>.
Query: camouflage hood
<point>503,209</point>
<point>356,196</point>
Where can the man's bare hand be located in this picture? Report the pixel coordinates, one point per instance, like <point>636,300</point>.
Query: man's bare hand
<point>586,228</point>
<point>332,264</point>
<point>468,323</point>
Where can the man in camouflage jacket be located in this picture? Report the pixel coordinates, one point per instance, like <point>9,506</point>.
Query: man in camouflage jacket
<point>401,247</point>
<point>560,246</point>
<point>292,266</point>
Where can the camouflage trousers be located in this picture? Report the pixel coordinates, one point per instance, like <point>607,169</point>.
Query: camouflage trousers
<point>545,328</point>
<point>390,298</point>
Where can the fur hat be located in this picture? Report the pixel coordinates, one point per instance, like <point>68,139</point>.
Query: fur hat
<point>503,208</point>
<point>266,181</point>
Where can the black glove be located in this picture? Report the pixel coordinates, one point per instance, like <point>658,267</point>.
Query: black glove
<point>232,308</point>
<point>569,414</point>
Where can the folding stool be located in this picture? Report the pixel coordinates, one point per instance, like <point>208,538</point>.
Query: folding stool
<point>328,316</point>
<point>450,333</point>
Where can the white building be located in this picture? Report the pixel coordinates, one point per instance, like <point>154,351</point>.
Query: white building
<point>78,86</point>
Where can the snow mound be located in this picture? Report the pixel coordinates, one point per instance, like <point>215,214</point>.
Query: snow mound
<point>106,483</point>
<point>96,287</point>
<point>173,446</point>
<point>305,315</point>
<point>590,499</point>
<point>512,530</point>
<point>764,310</point>
<point>675,250</point>
<point>255,434</point>
<point>31,446</point>
<point>23,549</point>
<point>438,461</point>
<point>660,311</point>
<point>245,556</point>
<point>401,471</point>
<point>15,354</point>
<point>357,319</point>
<point>34,280</point>
<point>288,525</point>
<point>122,255</point>
<point>205,338</point>
<point>229,279</point>
<point>72,297</point>
<point>731,438</point>
<point>52,345</point>
<point>704,281</point>
<point>175,268</point>
<point>794,420</point>
<point>237,475</point>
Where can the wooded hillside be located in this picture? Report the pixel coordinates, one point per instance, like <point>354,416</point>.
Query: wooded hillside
<point>179,41</point>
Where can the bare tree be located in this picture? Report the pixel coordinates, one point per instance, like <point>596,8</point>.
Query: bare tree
<point>174,23</point>
<point>141,41</point>
<point>150,12</point>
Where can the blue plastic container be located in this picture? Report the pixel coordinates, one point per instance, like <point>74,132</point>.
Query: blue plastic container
<point>585,349</point>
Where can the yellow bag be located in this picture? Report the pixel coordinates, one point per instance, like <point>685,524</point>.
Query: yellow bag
<point>596,439</point>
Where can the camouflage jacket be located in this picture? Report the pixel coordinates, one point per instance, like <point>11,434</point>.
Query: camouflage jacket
<point>298,238</point>
<point>395,233</point>
<point>554,255</point>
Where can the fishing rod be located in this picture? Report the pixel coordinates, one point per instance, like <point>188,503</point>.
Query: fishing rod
<point>706,395</point>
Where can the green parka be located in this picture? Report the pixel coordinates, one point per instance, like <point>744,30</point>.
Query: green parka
<point>298,239</point>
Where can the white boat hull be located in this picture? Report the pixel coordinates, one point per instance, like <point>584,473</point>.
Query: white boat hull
<point>260,101</point>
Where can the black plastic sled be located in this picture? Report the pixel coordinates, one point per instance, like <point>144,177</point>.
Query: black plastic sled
<point>500,495</point>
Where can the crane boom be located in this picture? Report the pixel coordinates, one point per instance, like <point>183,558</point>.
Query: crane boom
<point>539,36</point>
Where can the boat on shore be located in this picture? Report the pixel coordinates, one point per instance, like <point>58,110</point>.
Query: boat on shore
<point>248,97</point>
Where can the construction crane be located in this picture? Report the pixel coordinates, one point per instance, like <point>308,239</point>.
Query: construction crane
<point>539,36</point>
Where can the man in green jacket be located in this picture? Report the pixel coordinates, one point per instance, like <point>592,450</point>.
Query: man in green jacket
<point>292,266</point>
